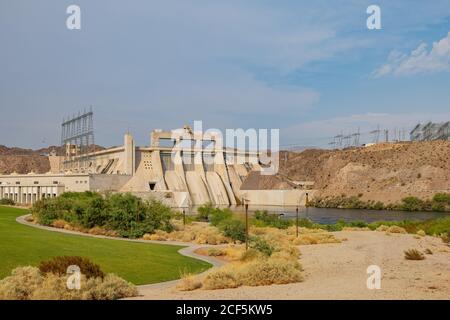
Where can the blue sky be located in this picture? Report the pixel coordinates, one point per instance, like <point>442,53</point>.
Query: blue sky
<point>308,68</point>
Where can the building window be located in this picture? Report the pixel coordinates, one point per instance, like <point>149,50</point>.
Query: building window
<point>55,182</point>
<point>36,182</point>
<point>17,182</point>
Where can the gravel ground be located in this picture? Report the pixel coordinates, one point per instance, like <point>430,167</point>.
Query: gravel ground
<point>339,271</point>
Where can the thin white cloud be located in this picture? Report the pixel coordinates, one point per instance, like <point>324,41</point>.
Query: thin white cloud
<point>420,60</point>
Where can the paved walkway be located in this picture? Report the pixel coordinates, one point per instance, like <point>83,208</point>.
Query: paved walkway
<point>188,249</point>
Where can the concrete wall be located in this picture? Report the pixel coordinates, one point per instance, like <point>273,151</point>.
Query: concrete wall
<point>277,197</point>
<point>105,183</point>
<point>27,189</point>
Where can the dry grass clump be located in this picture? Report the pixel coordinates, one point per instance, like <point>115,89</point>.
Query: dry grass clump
<point>112,287</point>
<point>396,229</point>
<point>77,228</point>
<point>271,271</point>
<point>28,283</point>
<point>234,252</point>
<point>392,229</point>
<point>21,284</point>
<point>315,238</point>
<point>159,235</point>
<point>445,237</point>
<point>217,252</point>
<point>222,278</point>
<point>285,238</point>
<point>382,228</point>
<point>59,266</point>
<point>99,231</point>
<point>355,229</point>
<point>188,282</point>
<point>414,254</point>
<point>60,224</point>
<point>428,251</point>
<point>421,233</point>
<point>196,232</point>
<point>255,269</point>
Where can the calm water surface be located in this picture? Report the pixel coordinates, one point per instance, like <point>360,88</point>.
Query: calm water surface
<point>330,216</point>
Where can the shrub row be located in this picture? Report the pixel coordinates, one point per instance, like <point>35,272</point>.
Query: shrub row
<point>440,202</point>
<point>127,215</point>
<point>224,220</point>
<point>438,227</point>
<point>7,202</point>
<point>29,283</point>
<point>264,219</point>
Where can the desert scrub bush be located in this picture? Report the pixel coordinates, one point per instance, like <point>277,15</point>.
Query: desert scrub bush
<point>216,252</point>
<point>411,204</point>
<point>442,198</point>
<point>261,245</point>
<point>445,237</point>
<point>124,214</point>
<point>204,211</point>
<point>382,228</point>
<point>440,202</point>
<point>59,265</point>
<point>234,229</point>
<point>396,229</point>
<point>29,283</point>
<point>356,229</point>
<point>196,232</point>
<point>264,272</point>
<point>256,269</point>
<point>264,219</point>
<point>21,284</point>
<point>159,235</point>
<point>188,282</point>
<point>222,278</point>
<point>414,254</point>
<point>315,238</point>
<point>421,233</point>
<point>111,287</point>
<point>59,223</point>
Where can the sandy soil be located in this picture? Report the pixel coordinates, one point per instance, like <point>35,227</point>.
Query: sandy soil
<point>339,271</point>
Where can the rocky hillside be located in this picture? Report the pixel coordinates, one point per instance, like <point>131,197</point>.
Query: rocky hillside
<point>26,160</point>
<point>385,172</point>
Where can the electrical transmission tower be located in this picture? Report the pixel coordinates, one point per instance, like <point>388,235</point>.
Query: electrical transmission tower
<point>77,138</point>
<point>356,137</point>
<point>347,140</point>
<point>376,135</point>
<point>386,135</point>
<point>338,139</point>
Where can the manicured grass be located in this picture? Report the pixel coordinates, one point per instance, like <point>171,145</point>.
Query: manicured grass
<point>139,263</point>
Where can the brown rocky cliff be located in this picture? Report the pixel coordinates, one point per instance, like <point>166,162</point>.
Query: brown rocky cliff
<point>384,172</point>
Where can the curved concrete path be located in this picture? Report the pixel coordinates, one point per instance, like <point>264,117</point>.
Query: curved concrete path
<point>188,250</point>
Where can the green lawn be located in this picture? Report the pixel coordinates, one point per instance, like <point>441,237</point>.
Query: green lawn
<point>139,263</point>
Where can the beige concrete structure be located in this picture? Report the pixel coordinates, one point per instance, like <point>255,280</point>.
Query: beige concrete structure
<point>183,167</point>
<point>27,189</point>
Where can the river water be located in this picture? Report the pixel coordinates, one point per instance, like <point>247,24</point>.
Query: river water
<point>330,216</point>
